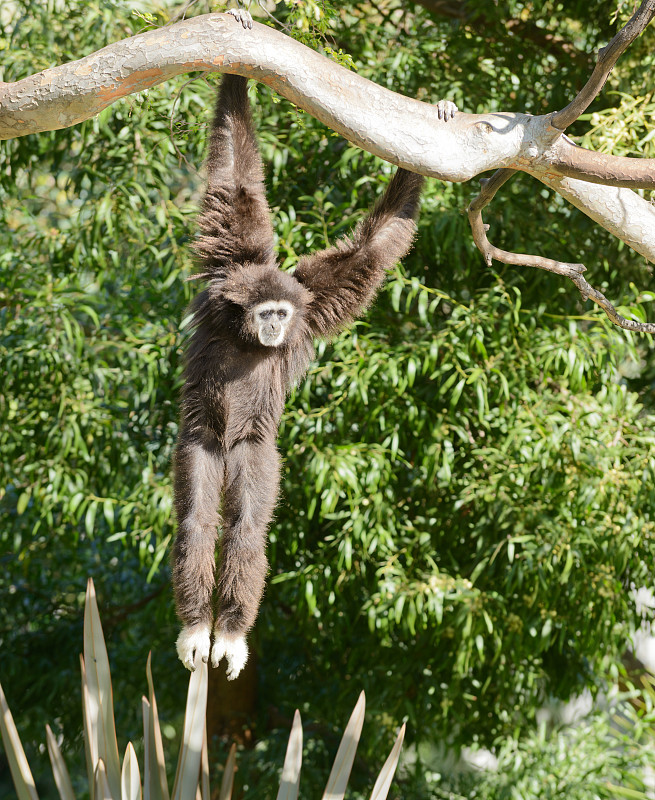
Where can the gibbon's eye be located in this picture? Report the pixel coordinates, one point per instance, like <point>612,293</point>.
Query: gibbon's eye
<point>267,314</point>
<point>282,314</point>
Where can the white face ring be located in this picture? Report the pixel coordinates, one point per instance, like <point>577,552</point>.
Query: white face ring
<point>270,320</point>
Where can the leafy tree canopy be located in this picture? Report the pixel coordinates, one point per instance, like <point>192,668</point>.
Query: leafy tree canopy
<point>469,471</point>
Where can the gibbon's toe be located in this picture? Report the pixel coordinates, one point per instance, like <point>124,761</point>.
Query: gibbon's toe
<point>235,650</point>
<point>446,109</point>
<point>242,16</point>
<point>193,642</point>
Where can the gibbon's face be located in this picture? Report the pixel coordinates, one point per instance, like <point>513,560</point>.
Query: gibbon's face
<point>270,321</point>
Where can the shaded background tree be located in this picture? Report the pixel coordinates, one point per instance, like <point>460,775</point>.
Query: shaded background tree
<point>468,486</point>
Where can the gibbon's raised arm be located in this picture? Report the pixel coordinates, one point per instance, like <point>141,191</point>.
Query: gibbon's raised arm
<point>344,279</point>
<point>234,224</point>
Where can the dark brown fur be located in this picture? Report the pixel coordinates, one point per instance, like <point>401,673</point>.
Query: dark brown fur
<point>226,461</point>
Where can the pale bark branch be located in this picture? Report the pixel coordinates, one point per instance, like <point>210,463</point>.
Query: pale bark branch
<point>566,161</point>
<point>399,129</point>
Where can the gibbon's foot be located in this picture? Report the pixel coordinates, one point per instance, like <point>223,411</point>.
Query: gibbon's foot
<point>193,642</point>
<point>446,109</point>
<point>242,16</point>
<point>234,648</point>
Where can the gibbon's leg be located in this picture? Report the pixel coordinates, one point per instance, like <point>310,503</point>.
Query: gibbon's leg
<point>199,473</point>
<point>252,479</point>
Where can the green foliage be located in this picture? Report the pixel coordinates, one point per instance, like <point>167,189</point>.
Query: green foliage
<point>468,491</point>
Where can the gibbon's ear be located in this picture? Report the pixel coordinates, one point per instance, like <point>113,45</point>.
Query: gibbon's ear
<point>345,278</point>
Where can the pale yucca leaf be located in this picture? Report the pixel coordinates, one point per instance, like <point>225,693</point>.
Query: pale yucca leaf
<point>90,741</point>
<point>343,762</point>
<point>228,775</point>
<point>188,765</point>
<point>59,770</point>
<point>101,784</point>
<point>20,769</point>
<point>147,745</point>
<point>100,697</point>
<point>205,794</point>
<point>130,776</point>
<point>383,783</point>
<point>156,763</point>
<point>290,781</point>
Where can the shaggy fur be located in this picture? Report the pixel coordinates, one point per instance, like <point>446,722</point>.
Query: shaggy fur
<point>227,468</point>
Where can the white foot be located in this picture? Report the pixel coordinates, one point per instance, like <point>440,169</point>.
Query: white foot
<point>446,109</point>
<point>242,16</point>
<point>235,649</point>
<point>193,642</point>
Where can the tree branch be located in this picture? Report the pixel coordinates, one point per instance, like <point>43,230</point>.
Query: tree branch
<point>564,165</point>
<point>607,58</point>
<point>399,129</point>
<point>586,165</point>
<point>568,270</point>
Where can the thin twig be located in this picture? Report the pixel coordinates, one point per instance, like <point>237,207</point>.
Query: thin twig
<point>607,58</point>
<point>180,154</point>
<point>566,269</point>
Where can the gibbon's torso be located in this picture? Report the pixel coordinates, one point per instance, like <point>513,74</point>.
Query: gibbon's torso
<point>239,389</point>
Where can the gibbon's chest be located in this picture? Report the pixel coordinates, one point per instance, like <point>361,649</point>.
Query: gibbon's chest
<point>245,390</point>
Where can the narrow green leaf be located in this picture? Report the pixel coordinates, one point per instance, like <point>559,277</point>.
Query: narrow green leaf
<point>383,783</point>
<point>18,766</point>
<point>338,780</point>
<point>59,770</point>
<point>290,781</point>
<point>23,501</point>
<point>130,776</point>
<point>188,765</point>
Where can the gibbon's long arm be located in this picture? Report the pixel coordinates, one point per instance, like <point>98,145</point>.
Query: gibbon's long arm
<point>234,224</point>
<point>345,278</point>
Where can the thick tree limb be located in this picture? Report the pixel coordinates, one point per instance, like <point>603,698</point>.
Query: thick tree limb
<point>399,129</point>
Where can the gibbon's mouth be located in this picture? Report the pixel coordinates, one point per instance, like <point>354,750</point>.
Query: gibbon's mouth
<point>272,337</point>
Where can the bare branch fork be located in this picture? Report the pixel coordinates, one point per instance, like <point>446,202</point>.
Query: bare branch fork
<point>399,129</point>
<point>607,58</point>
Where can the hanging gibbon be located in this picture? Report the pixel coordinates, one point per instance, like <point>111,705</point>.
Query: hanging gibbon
<point>252,340</point>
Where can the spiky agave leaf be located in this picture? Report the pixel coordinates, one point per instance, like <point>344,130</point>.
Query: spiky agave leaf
<point>59,769</point>
<point>228,774</point>
<point>383,783</point>
<point>290,782</point>
<point>99,698</point>
<point>155,786</point>
<point>188,765</point>
<point>130,776</point>
<point>343,762</point>
<point>20,769</point>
